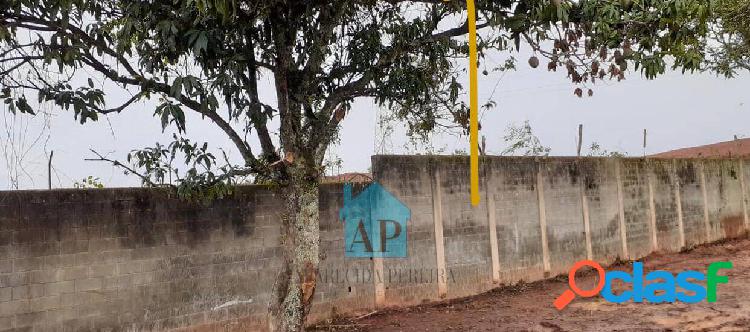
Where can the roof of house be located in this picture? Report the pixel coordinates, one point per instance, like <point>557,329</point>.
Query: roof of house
<point>348,178</point>
<point>734,148</point>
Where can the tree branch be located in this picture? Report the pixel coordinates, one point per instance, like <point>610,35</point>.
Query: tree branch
<point>191,104</point>
<point>146,180</point>
<point>256,106</point>
<point>121,107</point>
<point>458,31</point>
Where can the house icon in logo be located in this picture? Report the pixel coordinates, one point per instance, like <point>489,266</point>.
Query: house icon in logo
<point>374,223</point>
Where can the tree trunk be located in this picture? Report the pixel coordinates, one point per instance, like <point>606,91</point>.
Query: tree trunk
<point>295,285</point>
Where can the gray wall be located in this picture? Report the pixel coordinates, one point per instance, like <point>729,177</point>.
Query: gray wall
<point>138,259</point>
<point>133,259</point>
<point>539,210</point>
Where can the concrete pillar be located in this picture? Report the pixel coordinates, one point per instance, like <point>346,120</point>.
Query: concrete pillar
<point>744,194</point>
<point>706,221</point>
<point>437,213</point>
<point>492,229</point>
<point>586,221</point>
<point>678,200</point>
<point>652,210</point>
<point>378,276</point>
<point>621,212</point>
<point>543,220</point>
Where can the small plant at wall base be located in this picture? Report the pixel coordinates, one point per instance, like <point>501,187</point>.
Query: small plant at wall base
<point>207,58</point>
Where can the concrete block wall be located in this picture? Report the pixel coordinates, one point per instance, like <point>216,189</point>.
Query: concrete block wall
<point>511,186</point>
<point>468,260</point>
<point>139,259</point>
<point>667,215</point>
<point>724,198</point>
<point>599,180</point>
<point>560,183</point>
<point>688,178</point>
<point>135,259</point>
<point>344,284</point>
<point>634,176</point>
<point>541,215</point>
<point>417,187</point>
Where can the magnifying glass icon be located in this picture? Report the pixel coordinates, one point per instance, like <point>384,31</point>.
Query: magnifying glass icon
<point>564,299</point>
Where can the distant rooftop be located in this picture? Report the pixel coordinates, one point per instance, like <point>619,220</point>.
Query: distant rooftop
<point>729,149</point>
<point>348,178</point>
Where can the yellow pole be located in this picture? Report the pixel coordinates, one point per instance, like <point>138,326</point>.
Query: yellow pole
<point>473,121</point>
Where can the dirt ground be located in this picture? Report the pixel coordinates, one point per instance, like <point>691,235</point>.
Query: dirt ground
<point>528,307</point>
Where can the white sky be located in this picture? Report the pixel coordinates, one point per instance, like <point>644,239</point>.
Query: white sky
<point>677,110</point>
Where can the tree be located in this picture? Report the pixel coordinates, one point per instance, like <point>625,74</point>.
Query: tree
<point>597,151</point>
<point>207,56</point>
<point>730,50</point>
<point>521,140</point>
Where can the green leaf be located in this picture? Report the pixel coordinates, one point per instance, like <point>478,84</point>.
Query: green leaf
<point>176,89</point>
<point>202,43</point>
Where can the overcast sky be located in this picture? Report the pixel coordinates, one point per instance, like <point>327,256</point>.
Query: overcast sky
<point>677,110</point>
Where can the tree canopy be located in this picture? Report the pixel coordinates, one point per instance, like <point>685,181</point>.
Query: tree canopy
<point>729,48</point>
<point>206,57</point>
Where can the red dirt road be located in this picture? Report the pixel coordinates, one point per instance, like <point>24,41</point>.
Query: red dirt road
<point>529,307</point>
